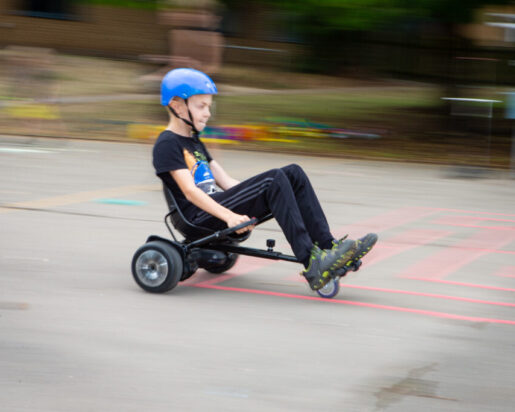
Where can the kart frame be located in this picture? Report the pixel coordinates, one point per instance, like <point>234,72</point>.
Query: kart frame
<point>215,251</point>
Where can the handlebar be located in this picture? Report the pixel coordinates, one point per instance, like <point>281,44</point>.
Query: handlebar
<point>230,230</point>
<point>221,234</point>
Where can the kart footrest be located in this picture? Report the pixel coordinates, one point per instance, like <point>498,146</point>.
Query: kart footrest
<point>355,267</point>
<point>340,273</point>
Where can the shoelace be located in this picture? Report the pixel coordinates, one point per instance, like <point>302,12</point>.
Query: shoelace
<point>335,244</point>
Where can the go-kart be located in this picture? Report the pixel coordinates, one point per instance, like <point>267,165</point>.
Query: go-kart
<point>160,264</point>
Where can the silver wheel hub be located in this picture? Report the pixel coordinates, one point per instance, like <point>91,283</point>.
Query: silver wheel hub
<point>151,268</point>
<point>328,289</point>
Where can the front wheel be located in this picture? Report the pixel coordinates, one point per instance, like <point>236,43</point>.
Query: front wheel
<point>157,267</point>
<point>330,290</point>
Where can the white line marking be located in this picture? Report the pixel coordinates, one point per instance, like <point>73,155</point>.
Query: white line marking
<point>20,150</point>
<point>7,149</point>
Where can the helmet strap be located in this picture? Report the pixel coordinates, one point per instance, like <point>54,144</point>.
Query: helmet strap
<point>189,121</point>
<point>192,123</point>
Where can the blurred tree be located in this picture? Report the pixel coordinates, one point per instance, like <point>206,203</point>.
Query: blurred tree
<point>51,9</point>
<point>330,28</point>
<point>138,4</point>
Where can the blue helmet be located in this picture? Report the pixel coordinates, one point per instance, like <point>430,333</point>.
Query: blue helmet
<point>185,83</point>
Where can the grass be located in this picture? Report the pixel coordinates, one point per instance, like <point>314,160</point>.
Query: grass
<point>410,117</point>
<point>336,109</point>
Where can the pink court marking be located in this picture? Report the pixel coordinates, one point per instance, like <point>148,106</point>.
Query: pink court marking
<point>474,212</point>
<point>441,315</point>
<point>469,285</point>
<point>506,271</point>
<point>503,252</point>
<point>511,228</point>
<point>245,264</point>
<point>430,295</point>
<point>403,242</point>
<point>471,219</point>
<point>386,221</point>
<point>449,260</point>
<point>467,221</point>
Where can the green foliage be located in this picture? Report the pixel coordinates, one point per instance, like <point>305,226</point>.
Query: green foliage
<point>328,28</point>
<point>369,14</point>
<point>346,14</point>
<point>137,4</point>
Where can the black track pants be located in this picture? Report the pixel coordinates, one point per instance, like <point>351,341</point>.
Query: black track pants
<point>287,194</point>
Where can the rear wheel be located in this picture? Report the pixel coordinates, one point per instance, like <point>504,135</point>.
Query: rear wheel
<point>157,267</point>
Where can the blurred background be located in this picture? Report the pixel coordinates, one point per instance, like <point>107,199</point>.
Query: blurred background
<point>424,81</point>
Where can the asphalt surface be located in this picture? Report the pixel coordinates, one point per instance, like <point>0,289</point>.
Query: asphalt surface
<point>427,324</point>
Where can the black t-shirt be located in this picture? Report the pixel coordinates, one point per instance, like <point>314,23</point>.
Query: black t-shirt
<point>172,152</point>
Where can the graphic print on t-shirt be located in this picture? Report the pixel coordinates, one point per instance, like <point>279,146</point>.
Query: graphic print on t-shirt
<point>199,169</point>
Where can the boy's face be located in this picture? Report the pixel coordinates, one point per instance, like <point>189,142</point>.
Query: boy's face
<point>200,108</point>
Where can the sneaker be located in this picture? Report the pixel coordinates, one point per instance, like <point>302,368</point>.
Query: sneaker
<point>319,272</point>
<point>365,245</point>
<point>357,251</point>
<point>346,250</point>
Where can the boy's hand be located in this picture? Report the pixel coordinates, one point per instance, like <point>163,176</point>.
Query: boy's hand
<point>236,219</point>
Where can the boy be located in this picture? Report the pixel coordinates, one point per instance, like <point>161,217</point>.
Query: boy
<point>209,197</point>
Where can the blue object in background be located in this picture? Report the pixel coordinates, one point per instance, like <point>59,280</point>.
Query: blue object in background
<point>124,202</point>
<point>510,106</point>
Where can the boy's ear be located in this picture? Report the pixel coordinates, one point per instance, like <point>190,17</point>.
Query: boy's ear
<point>175,103</point>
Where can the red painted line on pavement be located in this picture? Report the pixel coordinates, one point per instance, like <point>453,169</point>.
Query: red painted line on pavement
<point>506,271</point>
<point>430,313</point>
<point>466,221</point>
<point>469,285</point>
<point>386,221</point>
<point>403,242</point>
<point>449,260</point>
<point>429,295</point>
<point>504,252</point>
<point>473,219</point>
<point>245,264</point>
<point>500,228</point>
<point>474,212</point>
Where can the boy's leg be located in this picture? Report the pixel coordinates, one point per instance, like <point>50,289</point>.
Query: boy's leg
<point>267,192</point>
<point>309,206</point>
<point>315,220</point>
<point>272,192</point>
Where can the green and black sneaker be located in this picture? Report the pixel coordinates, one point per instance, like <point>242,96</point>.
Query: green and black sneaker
<point>319,272</point>
<point>346,250</point>
<point>365,245</point>
<point>357,251</point>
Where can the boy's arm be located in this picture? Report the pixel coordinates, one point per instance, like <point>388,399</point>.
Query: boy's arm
<point>203,201</point>
<point>221,177</point>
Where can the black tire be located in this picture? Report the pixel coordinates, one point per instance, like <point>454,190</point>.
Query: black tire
<point>157,267</point>
<point>230,262</point>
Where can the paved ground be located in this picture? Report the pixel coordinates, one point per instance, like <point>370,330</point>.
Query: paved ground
<point>427,324</point>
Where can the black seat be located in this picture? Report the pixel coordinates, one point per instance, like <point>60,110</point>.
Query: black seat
<point>179,221</point>
<point>193,232</point>
<point>189,230</point>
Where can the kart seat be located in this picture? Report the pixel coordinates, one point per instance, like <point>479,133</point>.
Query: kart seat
<point>189,230</point>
